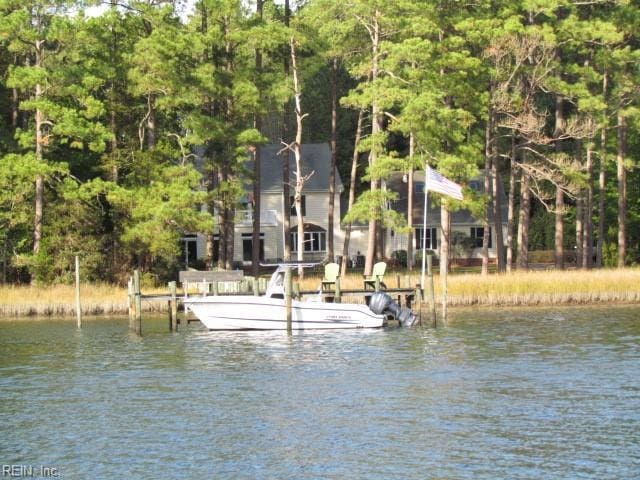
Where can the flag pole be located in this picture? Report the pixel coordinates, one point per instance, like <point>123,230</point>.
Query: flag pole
<point>424,224</point>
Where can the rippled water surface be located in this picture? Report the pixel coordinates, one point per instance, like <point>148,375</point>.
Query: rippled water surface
<point>535,394</point>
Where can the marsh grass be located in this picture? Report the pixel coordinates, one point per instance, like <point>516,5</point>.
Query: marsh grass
<point>60,300</point>
<point>548,287</point>
<point>542,287</point>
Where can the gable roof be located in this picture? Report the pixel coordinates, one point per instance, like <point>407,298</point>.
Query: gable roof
<point>316,157</point>
<point>460,217</point>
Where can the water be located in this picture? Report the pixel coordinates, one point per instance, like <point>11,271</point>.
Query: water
<point>517,394</point>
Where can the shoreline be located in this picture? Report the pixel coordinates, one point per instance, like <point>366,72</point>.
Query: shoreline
<point>517,289</point>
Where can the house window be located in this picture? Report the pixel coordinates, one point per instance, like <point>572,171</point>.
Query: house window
<point>477,234</point>
<point>419,187</point>
<point>216,248</point>
<point>431,238</point>
<point>313,242</point>
<point>292,202</point>
<point>247,246</point>
<point>190,249</point>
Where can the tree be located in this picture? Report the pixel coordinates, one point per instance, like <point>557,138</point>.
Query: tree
<point>63,108</point>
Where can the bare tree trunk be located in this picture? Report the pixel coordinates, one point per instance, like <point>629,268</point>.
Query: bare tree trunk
<point>352,190</point>
<point>559,227</point>
<point>587,239</point>
<point>496,204</point>
<point>488,206</point>
<point>375,129</point>
<point>297,145</point>
<point>602,180</point>
<point>622,190</point>
<point>497,216</point>
<point>152,124</point>
<point>512,204</point>
<point>524,217</point>
<point>580,211</point>
<point>334,156</point>
<point>412,148</point>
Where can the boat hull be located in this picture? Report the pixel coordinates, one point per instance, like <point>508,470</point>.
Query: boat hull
<point>262,313</point>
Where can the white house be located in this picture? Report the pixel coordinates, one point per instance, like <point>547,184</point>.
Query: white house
<point>316,158</point>
<point>316,161</point>
<point>463,224</point>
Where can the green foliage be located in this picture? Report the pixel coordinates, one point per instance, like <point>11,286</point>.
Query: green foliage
<point>100,87</point>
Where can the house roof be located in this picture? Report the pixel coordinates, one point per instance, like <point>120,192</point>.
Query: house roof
<point>460,217</point>
<point>316,158</point>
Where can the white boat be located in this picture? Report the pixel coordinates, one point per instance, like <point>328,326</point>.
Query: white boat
<point>268,312</point>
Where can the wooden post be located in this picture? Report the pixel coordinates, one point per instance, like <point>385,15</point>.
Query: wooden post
<point>78,307</point>
<point>214,287</point>
<point>338,295</point>
<point>255,285</point>
<point>418,301</point>
<point>173,307</point>
<point>137,321</point>
<point>377,284</point>
<point>443,274</point>
<point>287,297</point>
<point>432,292</point>
<point>407,282</point>
<point>130,301</point>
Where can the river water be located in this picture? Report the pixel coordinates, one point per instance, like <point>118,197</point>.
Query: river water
<point>512,394</point>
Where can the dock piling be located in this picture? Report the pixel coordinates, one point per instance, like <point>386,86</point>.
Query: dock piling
<point>288,287</point>
<point>431,293</point>
<point>136,324</point>
<point>78,306</point>
<point>173,307</point>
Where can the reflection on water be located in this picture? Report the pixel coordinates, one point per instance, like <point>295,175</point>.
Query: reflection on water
<point>537,393</point>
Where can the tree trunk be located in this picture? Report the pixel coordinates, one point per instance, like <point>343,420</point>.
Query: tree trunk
<point>497,216</point>
<point>15,102</point>
<point>602,179</point>
<point>587,239</point>
<point>622,190</point>
<point>513,171</point>
<point>523,227</point>
<point>488,206</point>
<point>257,203</point>
<point>375,129</point>
<point>580,211</point>
<point>496,204</point>
<point>412,147</point>
<point>352,190</point>
<point>40,141</point>
<point>152,126</point>
<point>297,152</point>
<point>334,156</point>
<point>286,176</point>
<point>559,224</point>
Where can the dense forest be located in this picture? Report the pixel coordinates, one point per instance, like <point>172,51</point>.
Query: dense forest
<point>102,115</point>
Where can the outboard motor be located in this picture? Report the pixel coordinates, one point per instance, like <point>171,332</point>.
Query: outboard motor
<point>382,303</point>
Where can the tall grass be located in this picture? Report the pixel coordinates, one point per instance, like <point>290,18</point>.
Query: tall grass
<point>542,287</point>
<point>60,300</point>
<point>532,288</point>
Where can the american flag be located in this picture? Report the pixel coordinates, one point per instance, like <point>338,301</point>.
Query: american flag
<point>437,183</point>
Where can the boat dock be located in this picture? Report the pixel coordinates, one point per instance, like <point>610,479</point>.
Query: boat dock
<point>235,283</point>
